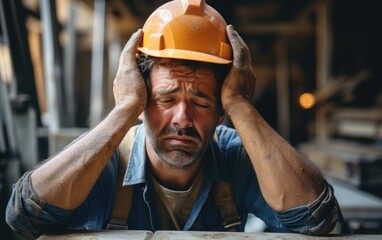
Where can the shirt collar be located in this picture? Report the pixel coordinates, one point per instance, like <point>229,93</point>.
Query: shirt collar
<point>135,172</point>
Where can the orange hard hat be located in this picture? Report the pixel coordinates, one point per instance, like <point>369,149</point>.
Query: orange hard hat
<point>189,30</point>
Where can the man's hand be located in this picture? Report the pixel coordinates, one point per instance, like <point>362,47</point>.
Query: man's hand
<point>241,80</point>
<point>129,85</point>
<point>73,172</point>
<point>286,179</point>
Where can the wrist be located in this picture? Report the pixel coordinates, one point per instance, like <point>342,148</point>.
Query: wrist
<point>236,106</point>
<point>132,103</point>
<point>131,107</point>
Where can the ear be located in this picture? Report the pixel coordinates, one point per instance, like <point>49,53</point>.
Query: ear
<point>221,117</point>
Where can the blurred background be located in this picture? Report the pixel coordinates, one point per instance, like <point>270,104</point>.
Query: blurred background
<point>317,63</point>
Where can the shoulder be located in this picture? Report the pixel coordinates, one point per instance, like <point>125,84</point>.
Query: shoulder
<point>227,137</point>
<point>231,149</point>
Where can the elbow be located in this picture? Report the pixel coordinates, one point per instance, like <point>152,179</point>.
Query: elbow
<point>19,231</point>
<point>279,203</point>
<point>16,220</point>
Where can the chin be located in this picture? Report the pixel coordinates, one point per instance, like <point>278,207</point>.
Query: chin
<point>178,161</point>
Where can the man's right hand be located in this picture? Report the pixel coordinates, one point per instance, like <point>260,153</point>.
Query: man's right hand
<point>74,171</point>
<point>129,86</point>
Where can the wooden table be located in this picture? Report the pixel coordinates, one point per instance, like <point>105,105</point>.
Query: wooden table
<point>181,235</point>
<point>104,235</point>
<point>177,235</point>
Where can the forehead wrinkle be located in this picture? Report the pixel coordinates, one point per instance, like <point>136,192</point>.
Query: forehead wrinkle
<point>165,83</point>
<point>182,71</point>
<point>190,87</point>
<point>192,73</point>
<point>195,81</point>
<point>167,86</point>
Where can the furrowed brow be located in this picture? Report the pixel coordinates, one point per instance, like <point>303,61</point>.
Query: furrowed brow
<point>168,91</point>
<point>200,94</point>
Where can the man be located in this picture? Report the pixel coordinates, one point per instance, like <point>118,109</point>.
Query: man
<point>180,154</point>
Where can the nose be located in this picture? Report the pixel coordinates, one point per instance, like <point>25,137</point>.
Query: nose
<point>181,118</point>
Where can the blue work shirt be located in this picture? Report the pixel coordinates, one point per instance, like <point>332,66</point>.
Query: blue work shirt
<point>30,216</point>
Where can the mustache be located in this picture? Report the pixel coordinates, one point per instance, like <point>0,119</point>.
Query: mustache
<point>189,132</point>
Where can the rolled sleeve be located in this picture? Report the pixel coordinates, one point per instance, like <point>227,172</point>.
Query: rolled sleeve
<point>28,215</point>
<point>317,218</point>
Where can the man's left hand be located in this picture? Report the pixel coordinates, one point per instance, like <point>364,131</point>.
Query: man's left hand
<point>240,82</point>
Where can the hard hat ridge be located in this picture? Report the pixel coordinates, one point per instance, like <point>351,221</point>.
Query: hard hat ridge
<point>193,7</point>
<point>189,30</point>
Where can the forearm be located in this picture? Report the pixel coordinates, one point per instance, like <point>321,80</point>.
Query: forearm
<point>66,179</point>
<point>286,179</point>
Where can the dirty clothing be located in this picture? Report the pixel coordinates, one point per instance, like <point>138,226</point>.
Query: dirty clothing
<point>226,160</point>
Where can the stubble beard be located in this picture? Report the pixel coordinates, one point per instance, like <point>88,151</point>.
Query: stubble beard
<point>177,158</point>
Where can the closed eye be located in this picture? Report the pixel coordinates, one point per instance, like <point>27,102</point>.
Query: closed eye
<point>165,100</point>
<point>200,104</point>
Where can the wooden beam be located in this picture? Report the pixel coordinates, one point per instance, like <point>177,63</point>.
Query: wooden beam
<point>97,71</point>
<point>324,54</point>
<point>282,87</point>
<point>276,28</point>
<point>335,86</point>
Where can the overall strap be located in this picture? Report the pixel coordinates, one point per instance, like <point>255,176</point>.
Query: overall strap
<point>123,195</point>
<point>224,200</point>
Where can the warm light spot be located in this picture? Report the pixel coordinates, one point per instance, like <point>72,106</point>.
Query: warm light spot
<point>307,100</point>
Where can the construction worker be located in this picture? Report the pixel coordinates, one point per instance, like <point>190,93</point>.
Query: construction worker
<point>185,170</point>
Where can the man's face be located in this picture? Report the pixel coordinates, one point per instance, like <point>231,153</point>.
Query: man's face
<point>182,113</point>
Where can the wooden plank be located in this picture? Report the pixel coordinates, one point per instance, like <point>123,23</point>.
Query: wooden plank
<point>358,128</point>
<point>357,122</point>
<point>193,235</point>
<point>374,113</point>
<point>292,28</point>
<point>356,204</point>
<point>93,235</point>
<point>178,235</point>
<point>355,163</point>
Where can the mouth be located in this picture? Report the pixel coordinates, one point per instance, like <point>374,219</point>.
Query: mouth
<point>180,140</point>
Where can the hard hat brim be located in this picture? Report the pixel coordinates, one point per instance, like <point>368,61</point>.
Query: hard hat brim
<point>185,55</point>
